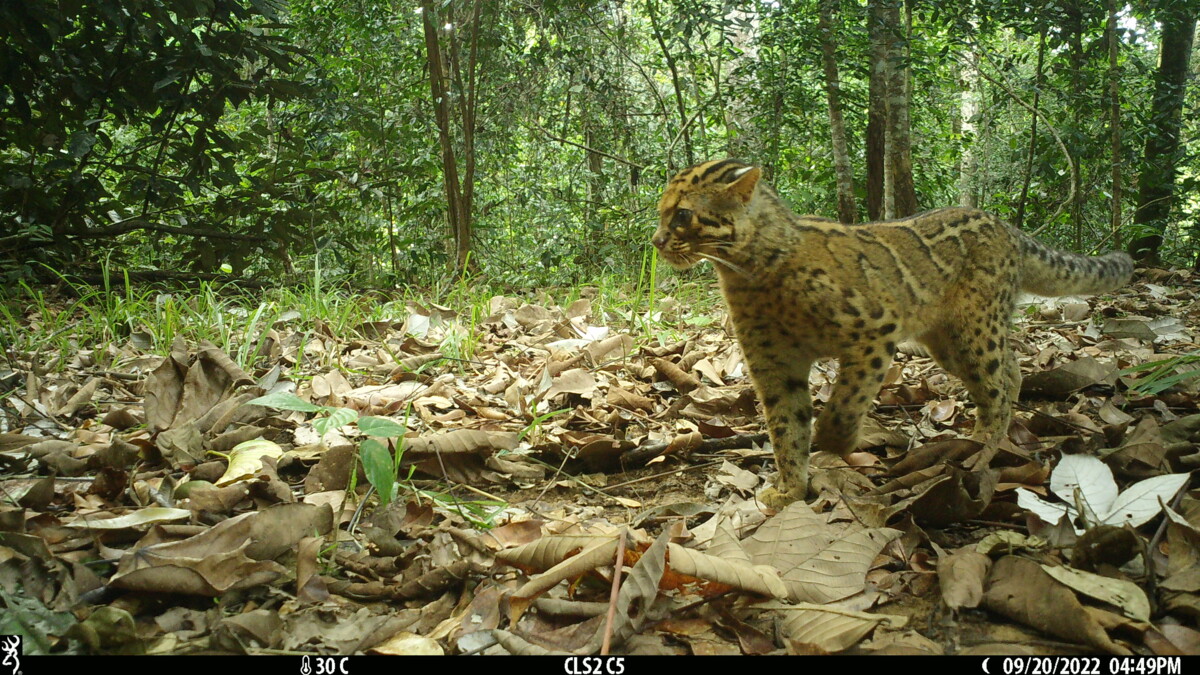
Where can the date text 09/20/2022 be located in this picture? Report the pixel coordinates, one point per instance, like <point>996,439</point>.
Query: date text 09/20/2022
<point>1085,665</point>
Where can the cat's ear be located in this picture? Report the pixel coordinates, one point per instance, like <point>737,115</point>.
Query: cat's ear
<point>743,186</point>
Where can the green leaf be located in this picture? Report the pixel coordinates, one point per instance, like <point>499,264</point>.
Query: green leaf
<point>35,622</point>
<point>377,464</point>
<point>338,417</point>
<point>1159,384</point>
<point>81,143</point>
<point>381,426</point>
<point>171,78</point>
<point>281,400</point>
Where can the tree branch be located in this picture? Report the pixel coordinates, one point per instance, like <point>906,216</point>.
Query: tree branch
<point>1054,132</point>
<point>132,224</point>
<point>584,147</point>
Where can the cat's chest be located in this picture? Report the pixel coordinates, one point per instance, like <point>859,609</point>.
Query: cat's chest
<point>821,323</point>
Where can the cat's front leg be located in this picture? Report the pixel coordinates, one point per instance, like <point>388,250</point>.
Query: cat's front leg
<point>783,389</point>
<point>860,376</point>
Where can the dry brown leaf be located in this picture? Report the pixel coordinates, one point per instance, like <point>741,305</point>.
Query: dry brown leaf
<point>408,644</point>
<point>707,369</point>
<point>625,399</point>
<point>597,553</point>
<point>178,392</point>
<point>1069,377</point>
<point>310,587</point>
<point>937,452</point>
<point>759,579</point>
<point>182,445</point>
<point>164,388</point>
<point>329,388</point>
<point>460,441</point>
<point>1018,589</point>
<point>638,592</point>
<point>941,494</point>
<point>830,629</point>
<point>79,399</point>
<point>615,347</point>
<point>820,562</point>
<point>683,381</point>
<point>513,534</point>
<point>1120,593</point>
<point>1183,638</point>
<point>575,381</point>
<point>1129,327</point>
<point>724,542</point>
<point>193,572</point>
<point>961,576</point>
<point>515,644</point>
<point>235,553</point>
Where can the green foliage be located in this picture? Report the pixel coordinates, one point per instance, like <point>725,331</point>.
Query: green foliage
<point>532,428</point>
<point>382,466</point>
<point>331,417</point>
<point>281,141</point>
<point>114,120</point>
<point>381,473</point>
<point>40,628</point>
<point>1165,373</point>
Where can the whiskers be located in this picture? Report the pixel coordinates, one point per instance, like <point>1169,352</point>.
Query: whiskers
<point>687,255</point>
<point>718,259</point>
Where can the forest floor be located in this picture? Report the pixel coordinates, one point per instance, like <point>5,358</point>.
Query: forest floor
<point>247,496</point>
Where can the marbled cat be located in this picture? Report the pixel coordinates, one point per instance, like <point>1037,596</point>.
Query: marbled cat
<point>801,288</point>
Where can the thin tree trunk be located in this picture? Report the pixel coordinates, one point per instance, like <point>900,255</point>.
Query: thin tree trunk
<point>1114,88</point>
<point>776,131</point>
<point>441,107</point>
<point>595,165</point>
<point>466,228</point>
<point>968,110</point>
<point>391,234</point>
<point>1077,61</point>
<point>674,68</point>
<point>876,114</point>
<point>847,211</point>
<point>1037,93</point>
<point>1156,184</point>
<point>898,127</point>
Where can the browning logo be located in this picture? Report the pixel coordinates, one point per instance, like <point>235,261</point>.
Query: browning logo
<point>10,647</point>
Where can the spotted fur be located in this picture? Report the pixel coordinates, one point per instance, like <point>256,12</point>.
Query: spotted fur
<point>800,288</point>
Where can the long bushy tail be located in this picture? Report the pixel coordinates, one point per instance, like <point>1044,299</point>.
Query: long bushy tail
<point>1049,271</point>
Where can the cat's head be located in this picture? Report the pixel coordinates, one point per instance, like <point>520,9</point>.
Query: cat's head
<point>702,213</point>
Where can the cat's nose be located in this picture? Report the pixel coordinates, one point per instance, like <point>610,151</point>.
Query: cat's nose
<point>659,241</point>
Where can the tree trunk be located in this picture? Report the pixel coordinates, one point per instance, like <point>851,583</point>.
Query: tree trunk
<point>1078,61</point>
<point>441,109</point>
<point>595,165</point>
<point>889,63</point>
<point>968,110</point>
<point>459,193</point>
<point>1156,183</point>
<point>1033,124</point>
<point>467,114</point>
<point>680,106</point>
<point>898,126</point>
<point>877,113</point>
<point>847,211</point>
<point>1114,89</point>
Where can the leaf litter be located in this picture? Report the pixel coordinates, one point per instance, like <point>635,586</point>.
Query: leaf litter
<point>572,480</point>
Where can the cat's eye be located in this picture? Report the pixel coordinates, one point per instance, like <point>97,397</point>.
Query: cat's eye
<point>682,218</point>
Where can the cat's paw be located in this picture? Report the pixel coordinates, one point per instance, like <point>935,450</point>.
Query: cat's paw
<point>777,499</point>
